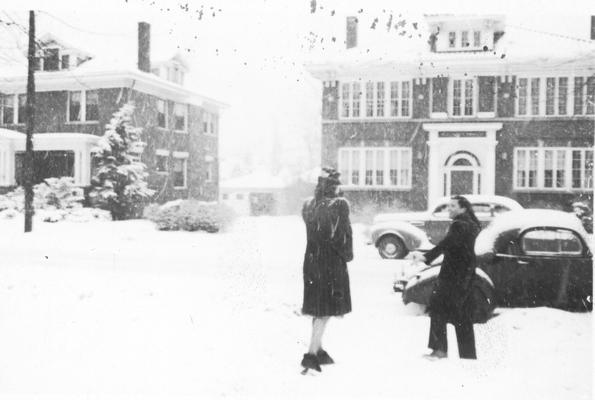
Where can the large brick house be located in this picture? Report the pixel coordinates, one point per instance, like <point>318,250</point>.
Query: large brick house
<point>478,108</point>
<point>76,96</point>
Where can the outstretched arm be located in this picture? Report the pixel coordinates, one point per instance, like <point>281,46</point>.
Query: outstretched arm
<point>452,237</point>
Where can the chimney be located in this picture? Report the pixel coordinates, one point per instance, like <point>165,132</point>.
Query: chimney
<point>351,37</point>
<point>144,46</point>
<point>592,27</point>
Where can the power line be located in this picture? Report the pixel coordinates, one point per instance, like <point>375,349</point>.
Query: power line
<point>81,29</point>
<point>551,34</point>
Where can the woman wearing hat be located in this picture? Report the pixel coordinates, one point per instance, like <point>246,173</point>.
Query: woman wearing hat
<point>329,248</point>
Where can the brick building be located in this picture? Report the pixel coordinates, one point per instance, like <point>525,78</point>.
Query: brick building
<point>76,96</point>
<point>478,108</point>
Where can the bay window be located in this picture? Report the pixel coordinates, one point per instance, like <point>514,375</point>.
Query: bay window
<point>380,167</point>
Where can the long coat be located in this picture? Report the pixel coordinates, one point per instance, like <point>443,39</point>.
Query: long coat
<point>451,297</point>
<point>329,248</point>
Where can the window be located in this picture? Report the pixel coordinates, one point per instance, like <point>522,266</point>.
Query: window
<point>208,124</point>
<point>209,172</point>
<point>452,39</point>
<point>180,114</point>
<point>523,85</point>
<point>550,92</point>
<point>465,39</point>
<point>562,95</point>
<point>65,61</point>
<point>582,169</point>
<point>225,196</point>
<point>535,96</point>
<point>399,99</point>
<point>357,94</point>
<point>83,106</point>
<point>405,99</point>
<point>350,100</point>
<point>591,95</point>
<point>240,196</point>
<point>579,89</point>
<point>91,105</point>
<point>551,242</point>
<point>369,99</point>
<point>179,172</point>
<point>8,109</point>
<point>162,113</point>
<point>51,59</point>
<point>476,39</point>
<point>550,168</point>
<point>22,111</point>
<point>380,166</point>
<point>380,99</point>
<point>462,97</point>
<point>345,99</point>
<point>161,162</point>
<point>584,95</point>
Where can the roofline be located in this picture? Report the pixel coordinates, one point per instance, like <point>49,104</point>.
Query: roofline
<point>80,80</point>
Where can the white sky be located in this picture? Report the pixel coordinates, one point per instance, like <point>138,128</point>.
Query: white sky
<point>251,54</point>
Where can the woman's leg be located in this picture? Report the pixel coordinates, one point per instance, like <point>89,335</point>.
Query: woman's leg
<point>318,327</point>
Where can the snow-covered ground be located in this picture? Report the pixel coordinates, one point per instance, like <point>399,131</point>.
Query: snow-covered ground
<point>119,310</point>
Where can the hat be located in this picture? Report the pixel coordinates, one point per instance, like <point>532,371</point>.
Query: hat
<point>330,175</point>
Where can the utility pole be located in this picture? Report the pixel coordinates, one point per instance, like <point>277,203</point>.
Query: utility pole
<point>30,113</point>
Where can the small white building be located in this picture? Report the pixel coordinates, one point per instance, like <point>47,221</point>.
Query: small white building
<point>259,193</point>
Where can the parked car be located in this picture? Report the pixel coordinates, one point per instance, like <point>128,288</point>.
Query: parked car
<point>396,234</point>
<point>525,258</point>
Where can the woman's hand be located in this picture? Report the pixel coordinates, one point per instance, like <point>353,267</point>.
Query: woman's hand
<point>418,257</point>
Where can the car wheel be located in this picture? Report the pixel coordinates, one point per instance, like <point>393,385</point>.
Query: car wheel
<point>391,247</point>
<point>483,302</point>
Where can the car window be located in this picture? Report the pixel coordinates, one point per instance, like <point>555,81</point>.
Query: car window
<point>441,210</point>
<point>551,242</point>
<point>499,208</point>
<point>482,209</point>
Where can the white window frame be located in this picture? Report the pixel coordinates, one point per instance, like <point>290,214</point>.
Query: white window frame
<point>209,120</point>
<point>385,98</point>
<point>182,155</point>
<point>165,111</point>
<point>185,106</point>
<point>584,106</point>
<point>15,108</point>
<point>83,119</point>
<point>463,96</point>
<point>163,153</point>
<point>360,155</point>
<point>541,169</point>
<point>543,96</point>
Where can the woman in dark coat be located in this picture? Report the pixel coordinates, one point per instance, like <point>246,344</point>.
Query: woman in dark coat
<point>452,300</point>
<point>328,249</point>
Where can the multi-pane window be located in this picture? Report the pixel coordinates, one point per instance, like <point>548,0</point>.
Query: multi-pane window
<point>180,117</point>
<point>452,39</point>
<point>476,38</point>
<point>179,172</point>
<point>345,99</point>
<point>523,88</point>
<point>22,113</point>
<point>369,99</point>
<point>377,99</point>
<point>357,95</point>
<point>562,95</point>
<point>83,106</point>
<point>8,109</point>
<point>161,113</point>
<point>465,39</point>
<point>591,95</point>
<point>462,97</point>
<point>553,168</point>
<point>584,95</point>
<point>550,95</point>
<point>582,169</point>
<point>535,96</point>
<point>161,163</point>
<point>208,123</point>
<point>209,171</point>
<point>380,99</point>
<point>380,166</point>
<point>579,89</point>
<point>91,105</point>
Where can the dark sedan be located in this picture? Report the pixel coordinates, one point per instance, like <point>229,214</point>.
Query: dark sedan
<point>525,258</point>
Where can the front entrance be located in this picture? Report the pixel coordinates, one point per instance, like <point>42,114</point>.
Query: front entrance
<point>462,158</point>
<point>462,174</point>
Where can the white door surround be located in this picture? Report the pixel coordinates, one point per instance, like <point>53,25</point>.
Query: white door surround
<point>461,146</point>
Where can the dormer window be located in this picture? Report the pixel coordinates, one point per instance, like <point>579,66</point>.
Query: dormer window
<point>464,32</point>
<point>476,39</point>
<point>452,39</point>
<point>464,39</point>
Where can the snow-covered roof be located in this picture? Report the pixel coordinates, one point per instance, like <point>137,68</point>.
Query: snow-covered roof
<point>255,181</point>
<point>408,52</point>
<point>519,220</point>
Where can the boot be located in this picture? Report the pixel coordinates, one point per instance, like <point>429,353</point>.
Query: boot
<point>324,358</point>
<point>436,355</point>
<point>310,361</point>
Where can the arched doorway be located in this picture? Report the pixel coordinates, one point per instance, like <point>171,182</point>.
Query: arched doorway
<point>462,174</point>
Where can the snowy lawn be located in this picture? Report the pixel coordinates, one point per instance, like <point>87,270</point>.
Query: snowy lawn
<point>119,310</point>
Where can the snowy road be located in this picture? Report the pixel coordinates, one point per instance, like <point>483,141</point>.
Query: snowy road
<point>119,310</point>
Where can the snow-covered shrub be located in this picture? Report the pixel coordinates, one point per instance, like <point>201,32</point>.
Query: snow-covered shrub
<point>190,215</point>
<point>54,193</point>
<point>120,183</point>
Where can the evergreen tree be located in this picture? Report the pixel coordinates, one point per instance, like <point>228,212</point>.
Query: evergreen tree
<point>120,182</point>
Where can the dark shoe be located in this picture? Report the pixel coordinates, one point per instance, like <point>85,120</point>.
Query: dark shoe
<point>310,361</point>
<point>324,358</point>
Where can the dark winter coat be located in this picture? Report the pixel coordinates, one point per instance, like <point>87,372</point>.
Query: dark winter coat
<point>451,297</point>
<point>329,248</point>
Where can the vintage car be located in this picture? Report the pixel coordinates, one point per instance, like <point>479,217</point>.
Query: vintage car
<point>525,258</point>
<point>397,234</point>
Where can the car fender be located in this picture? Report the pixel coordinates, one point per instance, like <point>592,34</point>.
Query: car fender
<point>411,236</point>
<point>419,287</point>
